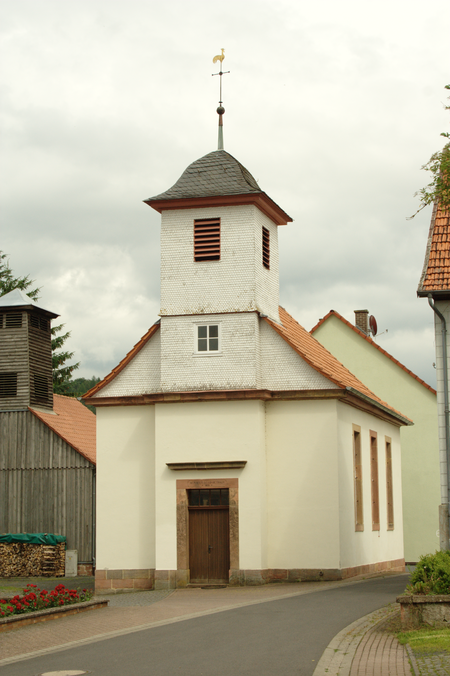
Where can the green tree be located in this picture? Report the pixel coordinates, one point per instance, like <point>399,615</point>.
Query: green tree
<point>8,282</point>
<point>62,373</point>
<point>438,190</point>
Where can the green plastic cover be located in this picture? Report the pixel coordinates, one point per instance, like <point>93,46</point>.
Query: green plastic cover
<point>33,538</point>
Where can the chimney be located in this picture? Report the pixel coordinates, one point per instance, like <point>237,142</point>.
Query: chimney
<point>362,320</point>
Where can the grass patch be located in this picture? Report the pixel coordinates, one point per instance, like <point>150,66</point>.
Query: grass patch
<point>426,640</point>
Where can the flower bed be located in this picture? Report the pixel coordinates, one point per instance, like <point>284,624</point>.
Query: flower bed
<point>35,599</point>
<point>39,606</point>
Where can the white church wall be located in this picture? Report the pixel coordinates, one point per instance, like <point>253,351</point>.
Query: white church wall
<point>302,486</point>
<point>228,285</point>
<point>212,431</point>
<point>141,375</point>
<point>234,366</point>
<point>282,368</point>
<point>125,493</point>
<point>359,548</point>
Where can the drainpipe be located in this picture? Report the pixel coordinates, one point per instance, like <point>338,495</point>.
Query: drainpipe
<point>444,514</point>
<point>93,518</point>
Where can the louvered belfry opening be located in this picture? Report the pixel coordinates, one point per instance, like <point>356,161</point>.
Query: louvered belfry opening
<point>207,239</point>
<point>8,384</point>
<point>266,248</point>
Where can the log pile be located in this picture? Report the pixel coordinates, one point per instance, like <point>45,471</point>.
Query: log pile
<point>27,560</point>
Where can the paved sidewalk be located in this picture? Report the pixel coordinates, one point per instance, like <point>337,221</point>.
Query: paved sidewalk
<point>359,650</point>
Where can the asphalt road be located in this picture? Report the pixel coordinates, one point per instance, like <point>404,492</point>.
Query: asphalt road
<point>275,638</point>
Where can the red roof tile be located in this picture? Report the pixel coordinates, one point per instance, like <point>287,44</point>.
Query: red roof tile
<point>73,422</point>
<point>320,359</point>
<point>126,360</point>
<point>436,268</point>
<point>333,313</point>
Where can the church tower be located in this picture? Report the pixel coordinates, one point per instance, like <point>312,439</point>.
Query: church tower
<point>25,353</point>
<point>219,274</point>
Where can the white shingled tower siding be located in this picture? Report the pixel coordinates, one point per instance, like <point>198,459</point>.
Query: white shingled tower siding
<point>238,282</point>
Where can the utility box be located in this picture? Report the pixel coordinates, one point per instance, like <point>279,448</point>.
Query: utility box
<point>71,562</point>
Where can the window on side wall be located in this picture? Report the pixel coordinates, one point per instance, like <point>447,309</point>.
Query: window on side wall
<point>357,479</point>
<point>207,339</point>
<point>374,481</point>
<point>389,485</point>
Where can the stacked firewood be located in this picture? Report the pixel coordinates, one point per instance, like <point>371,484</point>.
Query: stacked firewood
<point>27,560</point>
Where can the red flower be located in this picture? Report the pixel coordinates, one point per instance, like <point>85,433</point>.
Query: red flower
<point>10,608</point>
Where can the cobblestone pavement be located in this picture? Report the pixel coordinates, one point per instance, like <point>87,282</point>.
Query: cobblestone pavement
<point>430,664</point>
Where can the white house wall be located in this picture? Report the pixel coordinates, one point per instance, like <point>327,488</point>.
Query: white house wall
<point>302,485</point>
<point>420,445</point>
<point>368,546</point>
<point>125,488</point>
<point>238,282</point>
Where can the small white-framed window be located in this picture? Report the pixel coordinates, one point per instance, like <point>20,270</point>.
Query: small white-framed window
<point>207,339</point>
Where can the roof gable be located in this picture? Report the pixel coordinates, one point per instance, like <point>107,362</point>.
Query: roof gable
<point>323,361</point>
<point>125,361</point>
<point>73,422</point>
<point>333,313</point>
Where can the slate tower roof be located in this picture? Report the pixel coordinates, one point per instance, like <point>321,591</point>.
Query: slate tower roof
<point>217,173</point>
<point>217,179</point>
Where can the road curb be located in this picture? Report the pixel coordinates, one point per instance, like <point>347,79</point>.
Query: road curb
<point>338,656</point>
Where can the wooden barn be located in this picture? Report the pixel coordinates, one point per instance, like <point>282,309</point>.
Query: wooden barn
<point>47,441</point>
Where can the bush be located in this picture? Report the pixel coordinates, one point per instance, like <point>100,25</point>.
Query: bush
<point>35,599</point>
<point>432,575</point>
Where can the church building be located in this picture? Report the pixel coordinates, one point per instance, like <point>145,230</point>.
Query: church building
<point>232,447</point>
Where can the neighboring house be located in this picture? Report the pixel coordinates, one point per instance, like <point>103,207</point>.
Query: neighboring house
<point>231,446</point>
<point>435,285</point>
<point>394,383</point>
<point>47,453</point>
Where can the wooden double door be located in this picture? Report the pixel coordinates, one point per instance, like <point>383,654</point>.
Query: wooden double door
<point>209,544</point>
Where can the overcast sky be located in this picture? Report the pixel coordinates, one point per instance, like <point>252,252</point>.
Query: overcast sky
<point>332,106</point>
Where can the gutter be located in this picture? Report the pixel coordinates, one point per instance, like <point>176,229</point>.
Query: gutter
<point>446,415</point>
<point>386,409</point>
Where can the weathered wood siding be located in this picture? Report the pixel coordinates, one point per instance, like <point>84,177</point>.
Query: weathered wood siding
<point>45,485</point>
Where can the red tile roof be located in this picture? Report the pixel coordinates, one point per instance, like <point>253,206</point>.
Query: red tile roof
<point>73,422</point>
<point>126,360</point>
<point>436,269</point>
<point>320,359</point>
<point>333,313</point>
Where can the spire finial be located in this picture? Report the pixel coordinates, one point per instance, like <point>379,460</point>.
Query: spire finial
<point>220,109</point>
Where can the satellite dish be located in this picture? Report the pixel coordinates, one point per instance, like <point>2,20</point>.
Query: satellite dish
<point>373,325</point>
